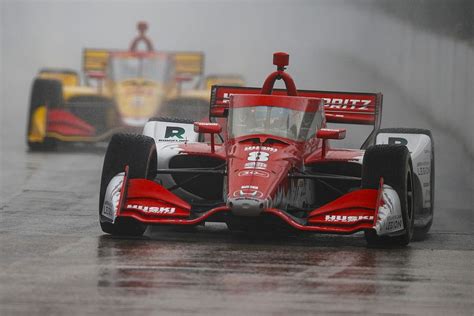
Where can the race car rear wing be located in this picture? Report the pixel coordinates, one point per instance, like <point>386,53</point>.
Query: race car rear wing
<point>339,107</point>
<point>224,80</point>
<point>95,61</point>
<point>189,63</point>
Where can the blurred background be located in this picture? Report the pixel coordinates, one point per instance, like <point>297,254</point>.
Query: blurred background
<point>419,54</point>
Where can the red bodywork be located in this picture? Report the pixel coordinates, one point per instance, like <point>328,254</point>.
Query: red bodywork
<point>66,123</point>
<point>262,170</point>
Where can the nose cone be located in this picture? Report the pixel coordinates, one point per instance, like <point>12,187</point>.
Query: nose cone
<point>245,205</point>
<point>255,174</point>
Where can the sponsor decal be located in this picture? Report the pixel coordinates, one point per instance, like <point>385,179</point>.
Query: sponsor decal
<point>260,148</point>
<point>389,213</point>
<point>152,209</point>
<point>257,173</point>
<point>108,210</point>
<point>173,140</point>
<point>346,104</point>
<point>394,223</point>
<point>423,168</point>
<point>255,165</point>
<point>174,131</point>
<point>112,198</point>
<point>248,193</point>
<point>249,187</point>
<point>258,156</point>
<point>348,218</point>
<point>226,97</point>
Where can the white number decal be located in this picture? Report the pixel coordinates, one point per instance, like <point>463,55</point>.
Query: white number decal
<point>258,156</point>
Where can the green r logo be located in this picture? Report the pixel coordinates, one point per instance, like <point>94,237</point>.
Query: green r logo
<point>174,131</point>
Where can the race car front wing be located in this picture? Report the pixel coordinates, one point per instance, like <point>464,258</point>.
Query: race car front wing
<point>150,203</point>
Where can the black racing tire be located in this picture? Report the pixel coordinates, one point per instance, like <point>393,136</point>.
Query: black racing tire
<point>138,152</point>
<point>393,164</point>
<point>49,93</point>
<point>421,231</point>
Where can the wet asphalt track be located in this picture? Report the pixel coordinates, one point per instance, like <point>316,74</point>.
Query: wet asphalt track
<point>55,260</point>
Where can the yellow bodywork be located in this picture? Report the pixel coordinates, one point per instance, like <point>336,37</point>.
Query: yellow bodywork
<point>223,80</point>
<point>67,78</point>
<point>95,60</point>
<point>189,63</point>
<point>38,125</point>
<point>138,99</point>
<point>72,91</point>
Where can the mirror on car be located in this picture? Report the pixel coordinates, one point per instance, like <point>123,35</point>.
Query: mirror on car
<point>207,128</point>
<point>331,133</point>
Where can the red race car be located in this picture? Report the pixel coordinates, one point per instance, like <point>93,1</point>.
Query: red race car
<point>272,168</point>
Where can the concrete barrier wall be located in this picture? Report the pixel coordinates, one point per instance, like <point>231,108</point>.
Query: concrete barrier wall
<point>435,72</point>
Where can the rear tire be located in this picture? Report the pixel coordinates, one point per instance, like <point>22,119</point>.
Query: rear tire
<point>393,164</point>
<point>48,93</point>
<point>138,152</point>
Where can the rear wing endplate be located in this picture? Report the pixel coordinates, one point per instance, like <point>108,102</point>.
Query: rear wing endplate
<point>224,80</point>
<point>189,63</point>
<point>94,62</point>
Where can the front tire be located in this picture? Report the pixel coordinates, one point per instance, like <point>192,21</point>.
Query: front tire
<point>393,164</point>
<point>45,93</point>
<point>138,152</point>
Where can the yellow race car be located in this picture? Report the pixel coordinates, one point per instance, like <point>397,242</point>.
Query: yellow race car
<point>122,90</point>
